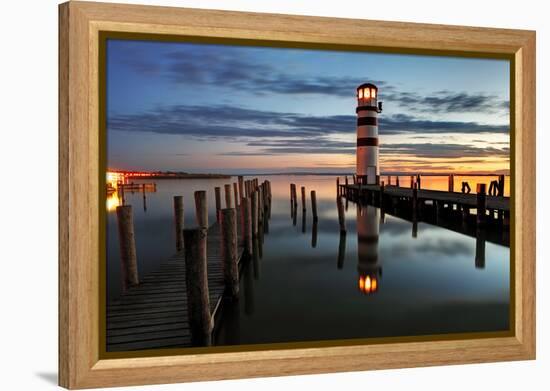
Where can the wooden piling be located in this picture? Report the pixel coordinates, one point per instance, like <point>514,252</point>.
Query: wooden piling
<point>254,213</point>
<point>341,214</point>
<point>144,198</point>
<point>198,301</point>
<point>314,205</point>
<point>415,202</point>
<point>481,203</point>
<point>247,224</point>
<point>178,221</point>
<point>217,192</point>
<point>381,199</point>
<point>229,251</point>
<point>397,181</point>
<point>412,181</point>
<point>240,179</point>
<point>389,179</point>
<point>127,244</point>
<point>201,209</point>
<point>228,202</point>
<point>501,185</point>
<point>418,182</point>
<point>260,204</point>
<point>337,186</point>
<point>451,184</point>
<point>236,194</point>
<point>303,189</point>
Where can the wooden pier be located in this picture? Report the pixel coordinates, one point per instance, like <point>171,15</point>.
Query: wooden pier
<point>447,209</point>
<point>153,315</point>
<point>155,312</point>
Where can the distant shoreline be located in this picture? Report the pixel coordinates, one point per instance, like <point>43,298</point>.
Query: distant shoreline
<point>183,175</point>
<point>381,175</point>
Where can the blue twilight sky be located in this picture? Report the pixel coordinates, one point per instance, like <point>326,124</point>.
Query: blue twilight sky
<point>233,109</point>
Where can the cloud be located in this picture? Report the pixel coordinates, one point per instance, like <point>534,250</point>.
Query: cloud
<point>432,150</point>
<point>404,123</point>
<point>230,121</point>
<point>224,121</point>
<point>276,133</point>
<point>252,70</point>
<point>447,102</point>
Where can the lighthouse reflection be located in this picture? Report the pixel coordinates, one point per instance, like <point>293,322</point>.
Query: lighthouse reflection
<point>370,272</point>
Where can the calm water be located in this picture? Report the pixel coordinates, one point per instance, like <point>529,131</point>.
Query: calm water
<point>296,292</point>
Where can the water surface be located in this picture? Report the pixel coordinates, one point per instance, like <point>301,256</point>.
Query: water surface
<point>378,280</point>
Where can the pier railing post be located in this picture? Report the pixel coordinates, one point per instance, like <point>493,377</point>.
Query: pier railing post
<point>217,192</point>
<point>229,250</point>
<point>196,278</point>
<point>201,209</point>
<point>314,205</point>
<point>481,203</point>
<point>178,221</point>
<point>127,243</point>
<point>227,189</point>
<point>341,214</point>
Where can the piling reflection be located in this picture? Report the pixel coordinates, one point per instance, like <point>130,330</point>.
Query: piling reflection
<point>314,234</point>
<point>341,250</point>
<point>368,226</point>
<point>256,246</point>
<point>480,249</point>
<point>249,288</point>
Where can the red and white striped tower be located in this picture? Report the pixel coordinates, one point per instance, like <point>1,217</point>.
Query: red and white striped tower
<point>368,169</point>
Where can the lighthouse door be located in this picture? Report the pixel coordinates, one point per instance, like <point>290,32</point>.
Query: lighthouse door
<point>371,175</point>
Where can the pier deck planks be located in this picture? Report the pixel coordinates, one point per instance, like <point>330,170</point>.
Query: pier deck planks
<point>154,314</point>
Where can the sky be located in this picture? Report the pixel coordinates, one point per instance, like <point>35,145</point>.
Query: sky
<point>242,109</point>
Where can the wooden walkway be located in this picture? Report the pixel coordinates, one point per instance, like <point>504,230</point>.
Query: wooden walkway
<point>493,202</point>
<point>154,314</point>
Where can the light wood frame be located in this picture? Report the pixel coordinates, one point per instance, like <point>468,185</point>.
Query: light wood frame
<point>80,364</point>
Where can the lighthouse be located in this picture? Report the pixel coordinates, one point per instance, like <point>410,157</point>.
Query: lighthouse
<point>368,267</point>
<point>368,107</point>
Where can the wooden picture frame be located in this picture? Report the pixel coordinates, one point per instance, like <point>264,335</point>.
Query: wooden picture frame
<point>80,170</point>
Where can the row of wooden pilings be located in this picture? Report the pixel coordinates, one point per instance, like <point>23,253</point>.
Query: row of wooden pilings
<point>248,200</point>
